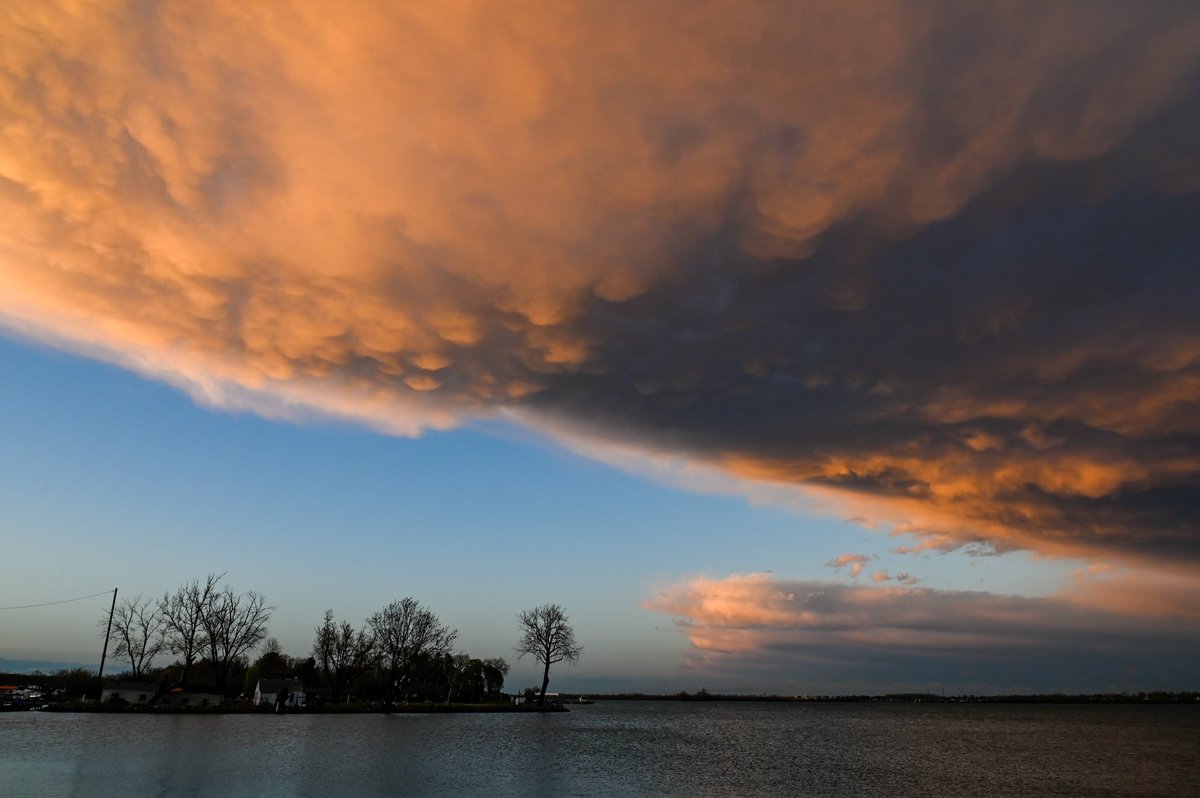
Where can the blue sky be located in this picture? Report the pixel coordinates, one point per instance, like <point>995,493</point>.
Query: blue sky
<point>114,480</point>
<point>672,315</point>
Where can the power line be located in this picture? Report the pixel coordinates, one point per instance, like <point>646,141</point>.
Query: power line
<point>51,603</point>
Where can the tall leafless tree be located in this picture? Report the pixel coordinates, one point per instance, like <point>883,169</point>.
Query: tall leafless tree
<point>405,631</point>
<point>183,618</point>
<point>233,624</point>
<point>546,633</point>
<point>137,627</point>
<point>342,652</point>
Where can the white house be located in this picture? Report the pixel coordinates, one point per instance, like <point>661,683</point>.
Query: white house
<point>129,692</point>
<point>267,692</point>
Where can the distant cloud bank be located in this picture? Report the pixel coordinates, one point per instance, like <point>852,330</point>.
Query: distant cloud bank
<point>822,636</point>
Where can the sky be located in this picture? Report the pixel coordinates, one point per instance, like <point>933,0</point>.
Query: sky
<point>804,347</point>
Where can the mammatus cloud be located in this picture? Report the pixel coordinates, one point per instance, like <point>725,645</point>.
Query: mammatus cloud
<point>755,628</point>
<point>939,259</point>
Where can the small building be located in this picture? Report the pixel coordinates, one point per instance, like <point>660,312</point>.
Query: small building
<point>129,692</point>
<point>192,697</point>
<point>531,697</point>
<point>267,692</point>
<point>10,695</point>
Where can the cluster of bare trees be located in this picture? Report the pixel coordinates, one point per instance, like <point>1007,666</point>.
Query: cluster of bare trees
<point>410,648</point>
<point>410,645</point>
<point>200,621</point>
<point>342,653</point>
<point>405,633</point>
<point>404,645</point>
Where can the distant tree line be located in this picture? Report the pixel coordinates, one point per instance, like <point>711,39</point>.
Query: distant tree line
<point>1154,697</point>
<point>402,652</point>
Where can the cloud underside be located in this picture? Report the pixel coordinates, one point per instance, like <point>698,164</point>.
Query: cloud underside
<point>939,259</point>
<point>755,629</point>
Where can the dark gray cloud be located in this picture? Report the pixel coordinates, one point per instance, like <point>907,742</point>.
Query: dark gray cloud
<point>1032,361</point>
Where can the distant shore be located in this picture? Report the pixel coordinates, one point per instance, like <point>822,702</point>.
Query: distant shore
<point>922,698</point>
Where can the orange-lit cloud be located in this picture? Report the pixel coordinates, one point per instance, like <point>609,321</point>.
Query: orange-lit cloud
<point>878,638</point>
<point>856,562</point>
<point>1140,595</point>
<point>937,259</point>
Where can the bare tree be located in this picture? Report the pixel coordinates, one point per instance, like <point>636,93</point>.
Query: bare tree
<point>343,653</point>
<point>324,644</point>
<point>137,626</point>
<point>183,618</point>
<point>546,633</point>
<point>404,631</point>
<point>233,624</point>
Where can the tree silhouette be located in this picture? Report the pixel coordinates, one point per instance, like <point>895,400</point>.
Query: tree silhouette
<point>546,634</point>
<point>183,617</point>
<point>219,626</point>
<point>342,653</point>
<point>138,628</point>
<point>233,624</point>
<point>405,632</point>
<point>494,671</point>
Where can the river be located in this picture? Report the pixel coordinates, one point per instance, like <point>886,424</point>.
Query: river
<point>616,749</point>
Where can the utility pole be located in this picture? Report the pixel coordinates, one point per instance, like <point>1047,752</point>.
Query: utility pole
<point>104,654</point>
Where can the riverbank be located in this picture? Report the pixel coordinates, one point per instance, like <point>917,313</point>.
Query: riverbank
<point>333,709</point>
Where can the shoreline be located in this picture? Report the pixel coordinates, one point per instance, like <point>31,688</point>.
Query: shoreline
<point>410,709</point>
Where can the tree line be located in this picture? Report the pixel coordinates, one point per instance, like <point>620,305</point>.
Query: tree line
<point>198,622</point>
<point>402,651</point>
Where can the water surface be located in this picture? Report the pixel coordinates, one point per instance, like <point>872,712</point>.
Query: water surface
<point>616,748</point>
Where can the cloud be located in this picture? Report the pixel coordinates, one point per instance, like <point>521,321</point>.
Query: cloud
<point>748,628</point>
<point>1139,594</point>
<point>855,561</point>
<point>935,261</point>
<point>900,578</point>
